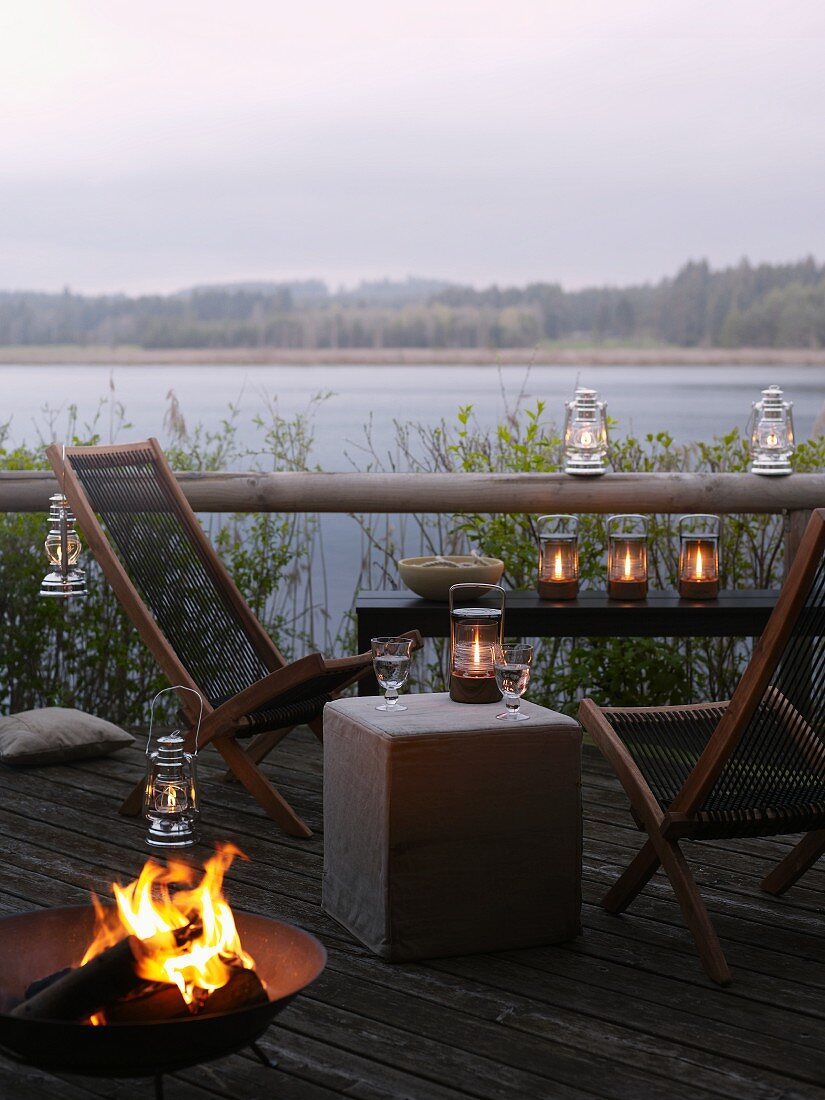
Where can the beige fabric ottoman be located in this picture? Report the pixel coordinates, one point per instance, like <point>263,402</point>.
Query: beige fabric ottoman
<point>447,832</point>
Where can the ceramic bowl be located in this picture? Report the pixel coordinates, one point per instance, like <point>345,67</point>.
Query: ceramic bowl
<point>433,581</point>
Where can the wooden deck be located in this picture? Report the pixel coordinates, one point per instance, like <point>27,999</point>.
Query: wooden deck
<point>624,1012</point>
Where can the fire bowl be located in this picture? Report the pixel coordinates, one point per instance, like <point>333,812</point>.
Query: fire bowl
<point>33,945</point>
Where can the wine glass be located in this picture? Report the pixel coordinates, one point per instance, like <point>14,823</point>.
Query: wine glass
<point>512,666</point>
<point>391,661</point>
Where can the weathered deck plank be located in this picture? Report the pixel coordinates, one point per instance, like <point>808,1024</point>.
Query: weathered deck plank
<point>624,1012</point>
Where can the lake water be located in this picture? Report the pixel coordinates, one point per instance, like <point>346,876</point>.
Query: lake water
<point>692,403</point>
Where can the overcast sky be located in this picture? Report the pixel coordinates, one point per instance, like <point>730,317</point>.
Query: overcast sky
<point>152,144</point>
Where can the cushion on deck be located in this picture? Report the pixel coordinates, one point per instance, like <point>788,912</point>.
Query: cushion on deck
<point>57,735</point>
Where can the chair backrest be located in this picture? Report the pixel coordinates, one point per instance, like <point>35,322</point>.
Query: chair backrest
<point>775,720</point>
<point>162,567</point>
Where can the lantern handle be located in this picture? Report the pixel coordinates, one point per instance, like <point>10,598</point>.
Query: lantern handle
<point>478,586</point>
<point>611,522</point>
<point>176,687</point>
<point>572,521</point>
<point>714,522</point>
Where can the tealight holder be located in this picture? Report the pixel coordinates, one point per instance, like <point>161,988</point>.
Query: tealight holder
<point>476,632</point>
<point>558,577</point>
<point>627,557</point>
<point>699,557</point>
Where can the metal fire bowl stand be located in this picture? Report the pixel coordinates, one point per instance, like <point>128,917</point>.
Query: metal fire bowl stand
<point>34,945</point>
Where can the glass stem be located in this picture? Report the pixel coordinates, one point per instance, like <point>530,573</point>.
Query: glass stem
<point>391,697</point>
<point>512,703</point>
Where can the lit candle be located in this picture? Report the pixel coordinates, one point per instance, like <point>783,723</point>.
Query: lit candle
<point>474,634</point>
<point>558,576</point>
<point>627,557</point>
<point>699,557</point>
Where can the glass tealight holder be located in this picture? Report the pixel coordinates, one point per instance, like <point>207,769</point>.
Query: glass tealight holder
<point>558,577</point>
<point>476,632</point>
<point>699,557</point>
<point>627,557</point>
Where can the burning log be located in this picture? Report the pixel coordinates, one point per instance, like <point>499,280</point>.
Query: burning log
<point>149,1005</point>
<point>107,978</point>
<point>243,990</point>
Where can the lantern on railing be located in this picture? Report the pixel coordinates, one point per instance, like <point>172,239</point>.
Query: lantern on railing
<point>627,557</point>
<point>558,557</point>
<point>170,799</point>
<point>699,557</point>
<point>475,633</point>
<point>63,549</point>
<point>771,434</point>
<point>585,434</point>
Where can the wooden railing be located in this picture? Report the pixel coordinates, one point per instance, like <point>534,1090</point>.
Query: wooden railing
<point>796,495</point>
<point>28,491</point>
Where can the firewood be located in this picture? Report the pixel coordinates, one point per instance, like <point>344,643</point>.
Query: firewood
<point>243,990</point>
<point>154,1003</point>
<point>44,983</point>
<point>105,979</point>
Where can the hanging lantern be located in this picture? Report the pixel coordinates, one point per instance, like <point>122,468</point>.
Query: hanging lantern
<point>558,557</point>
<point>699,557</point>
<point>170,799</point>
<point>771,434</point>
<point>627,557</point>
<point>63,549</point>
<point>475,634</point>
<point>585,434</point>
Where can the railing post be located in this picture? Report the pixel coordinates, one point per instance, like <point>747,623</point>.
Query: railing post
<point>795,524</point>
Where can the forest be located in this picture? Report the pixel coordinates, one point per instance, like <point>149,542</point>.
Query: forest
<point>764,305</point>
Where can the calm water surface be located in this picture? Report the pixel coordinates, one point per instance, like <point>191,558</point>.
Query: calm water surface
<point>692,403</point>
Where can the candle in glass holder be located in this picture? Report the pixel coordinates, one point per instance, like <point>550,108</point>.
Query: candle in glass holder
<point>558,557</point>
<point>699,557</point>
<point>627,557</point>
<point>475,634</point>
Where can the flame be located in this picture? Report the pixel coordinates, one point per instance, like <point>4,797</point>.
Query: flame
<point>586,439</point>
<point>772,440</point>
<point>627,564</point>
<point>149,906</point>
<point>558,572</point>
<point>699,561</point>
<point>477,651</point>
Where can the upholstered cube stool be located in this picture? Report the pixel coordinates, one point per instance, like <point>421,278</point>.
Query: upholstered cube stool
<point>448,832</point>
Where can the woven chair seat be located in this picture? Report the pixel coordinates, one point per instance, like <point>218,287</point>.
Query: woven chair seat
<point>776,790</point>
<point>286,714</point>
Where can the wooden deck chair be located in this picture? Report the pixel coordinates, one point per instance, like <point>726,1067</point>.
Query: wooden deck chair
<point>753,766</point>
<point>192,617</point>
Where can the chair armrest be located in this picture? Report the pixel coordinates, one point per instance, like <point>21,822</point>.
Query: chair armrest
<point>257,695</point>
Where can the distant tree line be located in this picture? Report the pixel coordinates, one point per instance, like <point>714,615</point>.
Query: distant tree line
<point>769,305</point>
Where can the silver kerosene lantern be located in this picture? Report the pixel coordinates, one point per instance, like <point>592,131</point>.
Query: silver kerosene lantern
<point>170,800</point>
<point>585,434</point>
<point>65,579</point>
<point>771,434</point>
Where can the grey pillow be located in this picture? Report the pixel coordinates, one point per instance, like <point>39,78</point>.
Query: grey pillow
<point>57,735</point>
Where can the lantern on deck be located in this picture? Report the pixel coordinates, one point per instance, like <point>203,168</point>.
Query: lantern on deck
<point>170,798</point>
<point>475,634</point>
<point>62,549</point>
<point>627,557</point>
<point>558,557</point>
<point>699,557</point>
<point>585,434</point>
<point>771,434</point>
